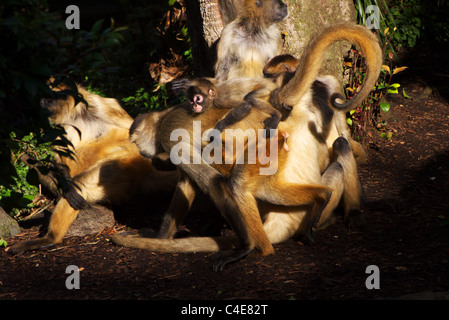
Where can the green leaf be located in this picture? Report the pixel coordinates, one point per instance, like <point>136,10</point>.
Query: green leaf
<point>97,26</point>
<point>405,95</point>
<point>392,90</point>
<point>110,41</point>
<point>3,242</point>
<point>386,136</point>
<point>385,106</point>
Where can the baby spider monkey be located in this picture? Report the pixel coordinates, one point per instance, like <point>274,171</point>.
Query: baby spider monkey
<point>240,95</point>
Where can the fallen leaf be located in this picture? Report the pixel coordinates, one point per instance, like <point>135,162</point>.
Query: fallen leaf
<point>401,268</point>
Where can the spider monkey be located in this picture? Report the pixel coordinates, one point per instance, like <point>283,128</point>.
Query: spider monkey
<point>101,163</point>
<point>249,41</point>
<point>281,70</point>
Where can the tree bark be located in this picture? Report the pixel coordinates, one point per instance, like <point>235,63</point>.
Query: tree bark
<point>208,17</point>
<point>205,25</point>
<point>306,18</point>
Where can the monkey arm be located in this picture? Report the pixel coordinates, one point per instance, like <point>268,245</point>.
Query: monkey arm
<point>234,115</point>
<point>274,118</point>
<point>162,162</point>
<point>46,177</point>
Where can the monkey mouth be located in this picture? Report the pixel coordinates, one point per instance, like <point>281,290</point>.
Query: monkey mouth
<point>197,108</point>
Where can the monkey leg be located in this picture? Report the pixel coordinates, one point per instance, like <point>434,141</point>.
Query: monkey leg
<point>273,120</point>
<point>179,206</point>
<point>244,222</point>
<point>353,191</point>
<point>61,219</point>
<point>84,186</point>
<point>212,183</point>
<point>342,177</point>
<point>313,197</point>
<point>251,215</point>
<point>333,178</point>
<point>249,230</point>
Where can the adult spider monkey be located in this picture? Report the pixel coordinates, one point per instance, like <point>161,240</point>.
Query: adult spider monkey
<point>100,163</point>
<point>248,42</point>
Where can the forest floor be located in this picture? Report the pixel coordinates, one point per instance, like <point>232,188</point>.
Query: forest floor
<point>406,182</point>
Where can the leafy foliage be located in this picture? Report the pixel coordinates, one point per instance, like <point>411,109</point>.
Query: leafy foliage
<point>412,20</point>
<point>371,109</point>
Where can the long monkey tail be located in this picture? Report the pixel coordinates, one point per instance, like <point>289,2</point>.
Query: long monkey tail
<point>190,244</point>
<point>310,63</point>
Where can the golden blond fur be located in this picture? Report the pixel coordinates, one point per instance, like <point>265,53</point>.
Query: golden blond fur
<point>248,42</point>
<point>103,165</point>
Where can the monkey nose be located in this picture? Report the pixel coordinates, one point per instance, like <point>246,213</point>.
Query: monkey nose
<point>45,102</point>
<point>197,108</point>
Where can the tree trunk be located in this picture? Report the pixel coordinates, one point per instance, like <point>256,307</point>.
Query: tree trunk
<point>208,17</point>
<point>306,18</point>
<point>205,25</point>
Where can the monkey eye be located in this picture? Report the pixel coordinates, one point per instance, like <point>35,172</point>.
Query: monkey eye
<point>198,98</point>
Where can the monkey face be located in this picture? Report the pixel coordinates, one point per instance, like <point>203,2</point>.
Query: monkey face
<point>276,9</point>
<point>63,103</point>
<point>196,102</point>
<point>60,110</point>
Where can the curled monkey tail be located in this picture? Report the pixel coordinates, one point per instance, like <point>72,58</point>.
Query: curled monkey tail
<point>310,63</point>
<point>190,244</point>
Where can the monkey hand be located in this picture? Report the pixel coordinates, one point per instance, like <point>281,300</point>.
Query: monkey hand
<point>220,126</point>
<point>225,257</point>
<point>271,125</point>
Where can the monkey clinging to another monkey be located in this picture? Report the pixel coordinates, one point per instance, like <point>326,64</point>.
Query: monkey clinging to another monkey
<point>204,93</point>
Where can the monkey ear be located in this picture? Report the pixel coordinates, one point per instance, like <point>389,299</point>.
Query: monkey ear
<point>211,93</point>
<point>288,68</point>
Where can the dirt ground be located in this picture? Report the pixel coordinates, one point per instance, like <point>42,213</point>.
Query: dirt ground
<point>406,182</point>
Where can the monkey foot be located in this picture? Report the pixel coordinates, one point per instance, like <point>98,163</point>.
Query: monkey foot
<point>223,258</point>
<point>355,218</point>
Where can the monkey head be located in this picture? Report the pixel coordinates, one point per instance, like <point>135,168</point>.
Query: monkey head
<point>271,10</point>
<point>280,64</point>
<point>69,104</point>
<point>201,94</point>
<point>59,104</point>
